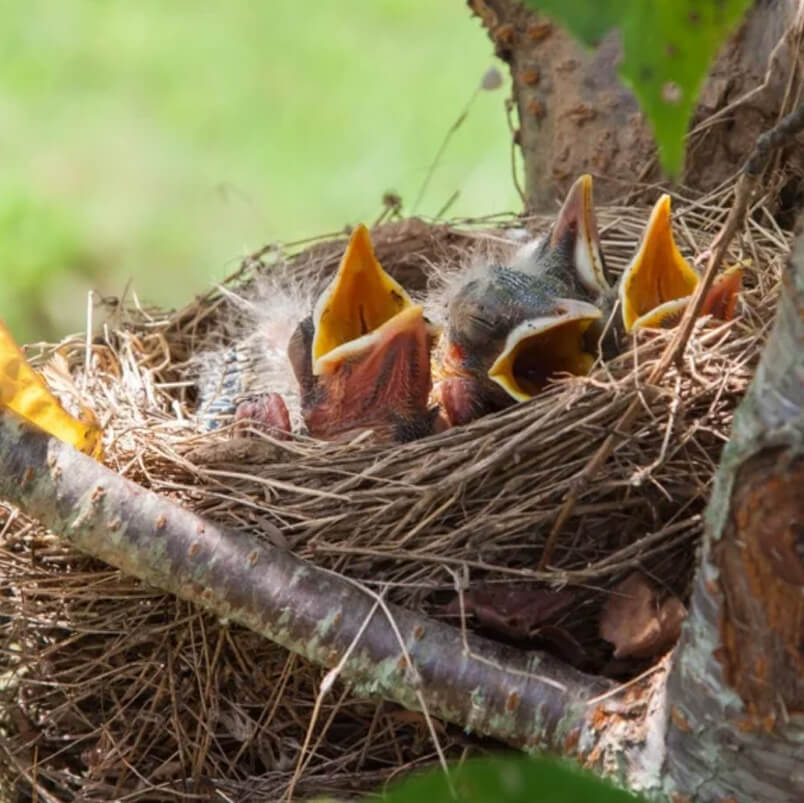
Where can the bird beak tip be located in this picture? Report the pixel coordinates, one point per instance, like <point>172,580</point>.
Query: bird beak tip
<point>657,275</point>
<point>539,348</point>
<point>361,297</point>
<point>577,221</point>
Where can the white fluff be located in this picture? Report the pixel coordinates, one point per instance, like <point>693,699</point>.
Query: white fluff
<point>524,259</point>
<point>253,358</point>
<point>448,279</point>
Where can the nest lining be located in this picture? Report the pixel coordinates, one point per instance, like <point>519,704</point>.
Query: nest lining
<point>115,689</point>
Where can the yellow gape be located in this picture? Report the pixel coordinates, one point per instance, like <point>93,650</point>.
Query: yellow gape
<point>358,301</point>
<point>540,348</point>
<point>659,281</point>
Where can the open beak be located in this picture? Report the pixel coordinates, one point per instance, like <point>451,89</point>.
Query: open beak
<point>540,348</point>
<point>359,300</point>
<point>392,360</point>
<point>658,282</point>
<point>363,361</point>
<point>379,381</point>
<point>720,303</point>
<point>721,300</point>
<point>577,221</point>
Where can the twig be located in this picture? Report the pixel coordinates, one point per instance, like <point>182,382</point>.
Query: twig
<point>515,136</point>
<point>662,666</point>
<point>87,345</point>
<point>771,140</point>
<point>414,679</point>
<point>447,204</point>
<point>440,152</point>
<point>752,93</point>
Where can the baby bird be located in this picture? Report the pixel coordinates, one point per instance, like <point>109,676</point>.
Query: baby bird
<point>515,327</point>
<point>361,361</point>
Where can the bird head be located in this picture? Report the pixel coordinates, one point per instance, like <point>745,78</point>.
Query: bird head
<point>363,359</point>
<point>518,330</point>
<point>515,327</point>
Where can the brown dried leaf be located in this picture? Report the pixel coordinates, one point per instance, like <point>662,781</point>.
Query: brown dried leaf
<point>636,623</point>
<point>516,613</point>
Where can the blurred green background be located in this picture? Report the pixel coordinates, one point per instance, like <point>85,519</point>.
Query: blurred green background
<point>158,141</point>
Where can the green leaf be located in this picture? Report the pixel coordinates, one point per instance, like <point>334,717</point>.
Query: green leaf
<point>668,47</point>
<point>508,780</point>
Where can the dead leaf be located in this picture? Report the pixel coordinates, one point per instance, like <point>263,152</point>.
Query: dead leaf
<point>636,623</point>
<point>517,613</point>
<point>24,391</point>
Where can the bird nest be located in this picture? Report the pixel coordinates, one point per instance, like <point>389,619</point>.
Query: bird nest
<point>111,690</point>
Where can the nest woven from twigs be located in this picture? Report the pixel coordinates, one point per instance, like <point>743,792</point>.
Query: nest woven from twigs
<point>121,692</point>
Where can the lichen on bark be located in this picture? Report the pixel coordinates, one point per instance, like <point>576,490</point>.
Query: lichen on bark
<point>736,690</point>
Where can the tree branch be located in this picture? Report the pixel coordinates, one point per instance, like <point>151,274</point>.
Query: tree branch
<point>528,700</point>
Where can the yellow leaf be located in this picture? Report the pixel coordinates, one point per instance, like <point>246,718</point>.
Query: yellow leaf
<point>24,391</point>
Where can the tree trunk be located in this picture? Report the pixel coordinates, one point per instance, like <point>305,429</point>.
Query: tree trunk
<point>736,691</point>
<point>575,115</point>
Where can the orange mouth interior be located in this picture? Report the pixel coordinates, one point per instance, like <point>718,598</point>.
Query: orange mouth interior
<point>359,300</point>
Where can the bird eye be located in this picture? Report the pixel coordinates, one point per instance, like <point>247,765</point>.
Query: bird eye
<point>480,320</point>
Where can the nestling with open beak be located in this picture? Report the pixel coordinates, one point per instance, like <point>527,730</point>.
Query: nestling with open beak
<point>512,329</point>
<point>361,360</point>
<point>658,283</point>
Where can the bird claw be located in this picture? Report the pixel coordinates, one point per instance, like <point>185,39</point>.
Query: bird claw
<point>266,413</point>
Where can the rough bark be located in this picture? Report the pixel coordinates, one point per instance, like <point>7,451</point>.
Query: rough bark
<point>528,700</point>
<point>575,115</point>
<point>735,694</point>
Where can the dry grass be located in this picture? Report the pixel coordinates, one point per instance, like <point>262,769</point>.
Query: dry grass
<point>111,690</point>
